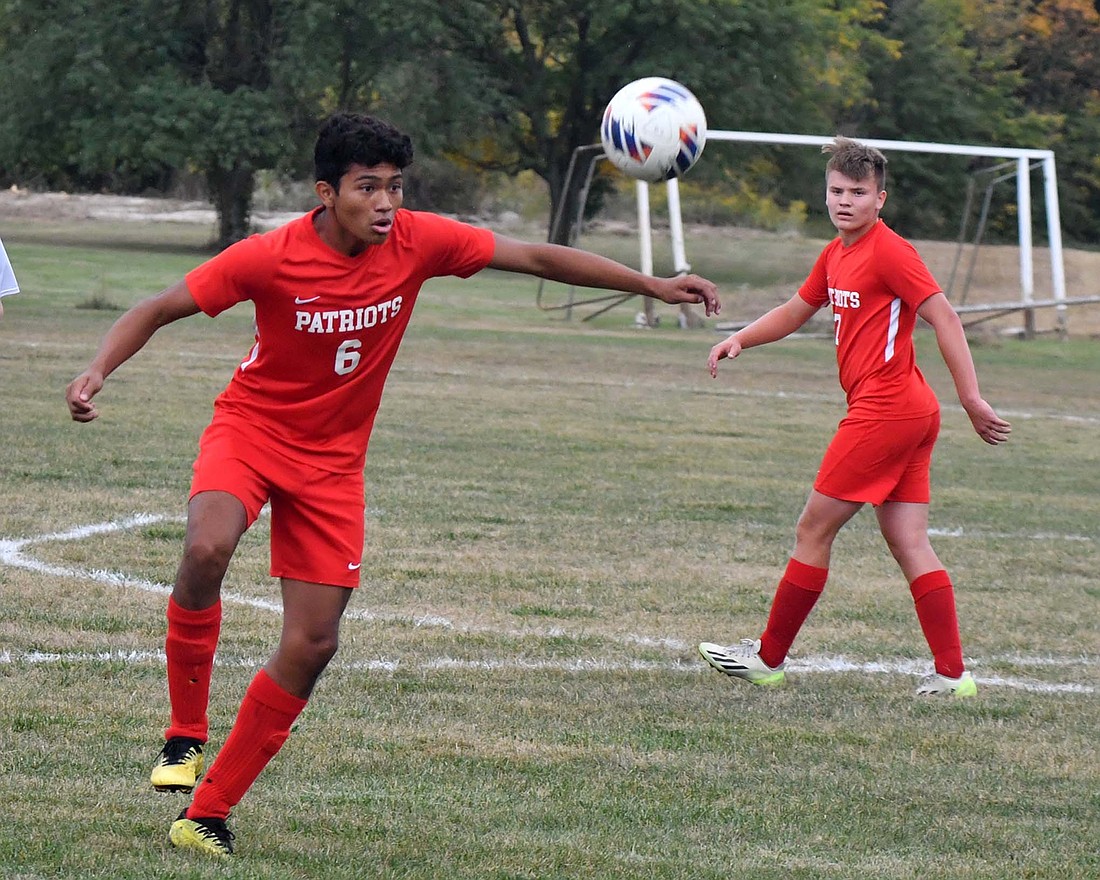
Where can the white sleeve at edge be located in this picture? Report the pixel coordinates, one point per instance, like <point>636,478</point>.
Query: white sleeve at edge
<point>8,284</point>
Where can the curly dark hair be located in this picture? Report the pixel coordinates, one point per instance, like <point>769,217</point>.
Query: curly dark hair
<point>347,139</point>
<point>855,160</point>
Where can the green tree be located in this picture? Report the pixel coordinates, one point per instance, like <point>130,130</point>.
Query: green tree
<point>1059,56</point>
<point>223,52</point>
<point>392,63</point>
<point>551,66</point>
<point>951,79</point>
<point>63,97</point>
<point>89,103</point>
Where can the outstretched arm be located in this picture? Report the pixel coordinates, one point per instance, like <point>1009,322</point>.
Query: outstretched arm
<point>951,338</point>
<point>568,265</point>
<point>779,322</point>
<point>125,338</point>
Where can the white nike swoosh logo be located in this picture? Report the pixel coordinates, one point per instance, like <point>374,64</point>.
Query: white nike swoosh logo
<point>302,300</point>
<point>352,566</point>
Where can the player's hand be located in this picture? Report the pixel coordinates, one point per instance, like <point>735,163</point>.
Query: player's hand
<point>990,426</point>
<point>727,348</point>
<point>79,396</point>
<point>690,289</point>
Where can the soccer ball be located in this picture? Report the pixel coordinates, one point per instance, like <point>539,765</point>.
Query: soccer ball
<point>654,129</point>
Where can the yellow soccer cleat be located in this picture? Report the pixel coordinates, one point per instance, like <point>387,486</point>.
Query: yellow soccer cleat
<point>207,835</point>
<point>178,766</point>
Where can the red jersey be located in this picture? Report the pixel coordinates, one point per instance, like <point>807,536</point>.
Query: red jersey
<point>875,287</point>
<point>328,327</point>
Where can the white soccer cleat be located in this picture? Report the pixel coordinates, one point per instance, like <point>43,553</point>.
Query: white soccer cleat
<point>937,685</point>
<point>742,661</point>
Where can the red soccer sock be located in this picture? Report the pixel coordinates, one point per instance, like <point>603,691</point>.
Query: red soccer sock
<point>934,598</point>
<point>190,644</point>
<point>797,593</point>
<point>262,726</point>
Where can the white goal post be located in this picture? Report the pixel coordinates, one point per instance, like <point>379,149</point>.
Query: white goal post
<point>1024,159</point>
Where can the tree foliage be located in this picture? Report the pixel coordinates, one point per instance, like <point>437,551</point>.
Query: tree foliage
<point>121,96</point>
<point>104,106</point>
<point>555,63</point>
<point>951,80</point>
<point>1059,60</point>
<point>395,63</point>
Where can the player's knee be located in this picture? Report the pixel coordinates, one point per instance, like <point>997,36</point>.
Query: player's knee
<point>899,541</point>
<point>811,531</point>
<point>906,542</point>
<point>313,650</point>
<point>207,560</point>
<point>325,648</point>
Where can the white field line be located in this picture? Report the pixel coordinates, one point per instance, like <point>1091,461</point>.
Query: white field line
<point>983,536</point>
<point>13,553</point>
<point>807,665</point>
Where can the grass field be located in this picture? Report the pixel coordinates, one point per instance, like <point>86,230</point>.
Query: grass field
<point>557,512</point>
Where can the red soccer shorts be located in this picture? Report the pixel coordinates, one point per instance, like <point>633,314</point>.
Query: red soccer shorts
<point>876,461</point>
<point>317,516</point>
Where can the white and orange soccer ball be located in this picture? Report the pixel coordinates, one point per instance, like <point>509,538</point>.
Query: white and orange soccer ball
<point>654,129</point>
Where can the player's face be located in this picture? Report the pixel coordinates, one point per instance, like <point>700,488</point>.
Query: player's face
<point>853,205</point>
<point>361,212</point>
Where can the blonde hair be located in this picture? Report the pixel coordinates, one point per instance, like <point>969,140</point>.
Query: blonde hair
<point>855,160</point>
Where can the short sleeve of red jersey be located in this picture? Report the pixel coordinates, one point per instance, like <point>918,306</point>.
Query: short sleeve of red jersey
<point>903,270</point>
<point>227,279</point>
<point>815,289</point>
<point>455,248</point>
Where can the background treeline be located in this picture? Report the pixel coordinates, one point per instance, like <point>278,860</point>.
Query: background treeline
<point>132,95</point>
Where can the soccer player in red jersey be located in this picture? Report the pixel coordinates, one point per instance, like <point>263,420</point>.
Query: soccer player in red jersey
<point>333,292</point>
<point>877,286</point>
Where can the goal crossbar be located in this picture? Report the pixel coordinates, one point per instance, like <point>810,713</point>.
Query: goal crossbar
<point>1023,157</point>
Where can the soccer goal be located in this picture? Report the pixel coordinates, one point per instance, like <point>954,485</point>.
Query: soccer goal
<point>1018,163</point>
<point>1023,159</point>
<point>583,162</point>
